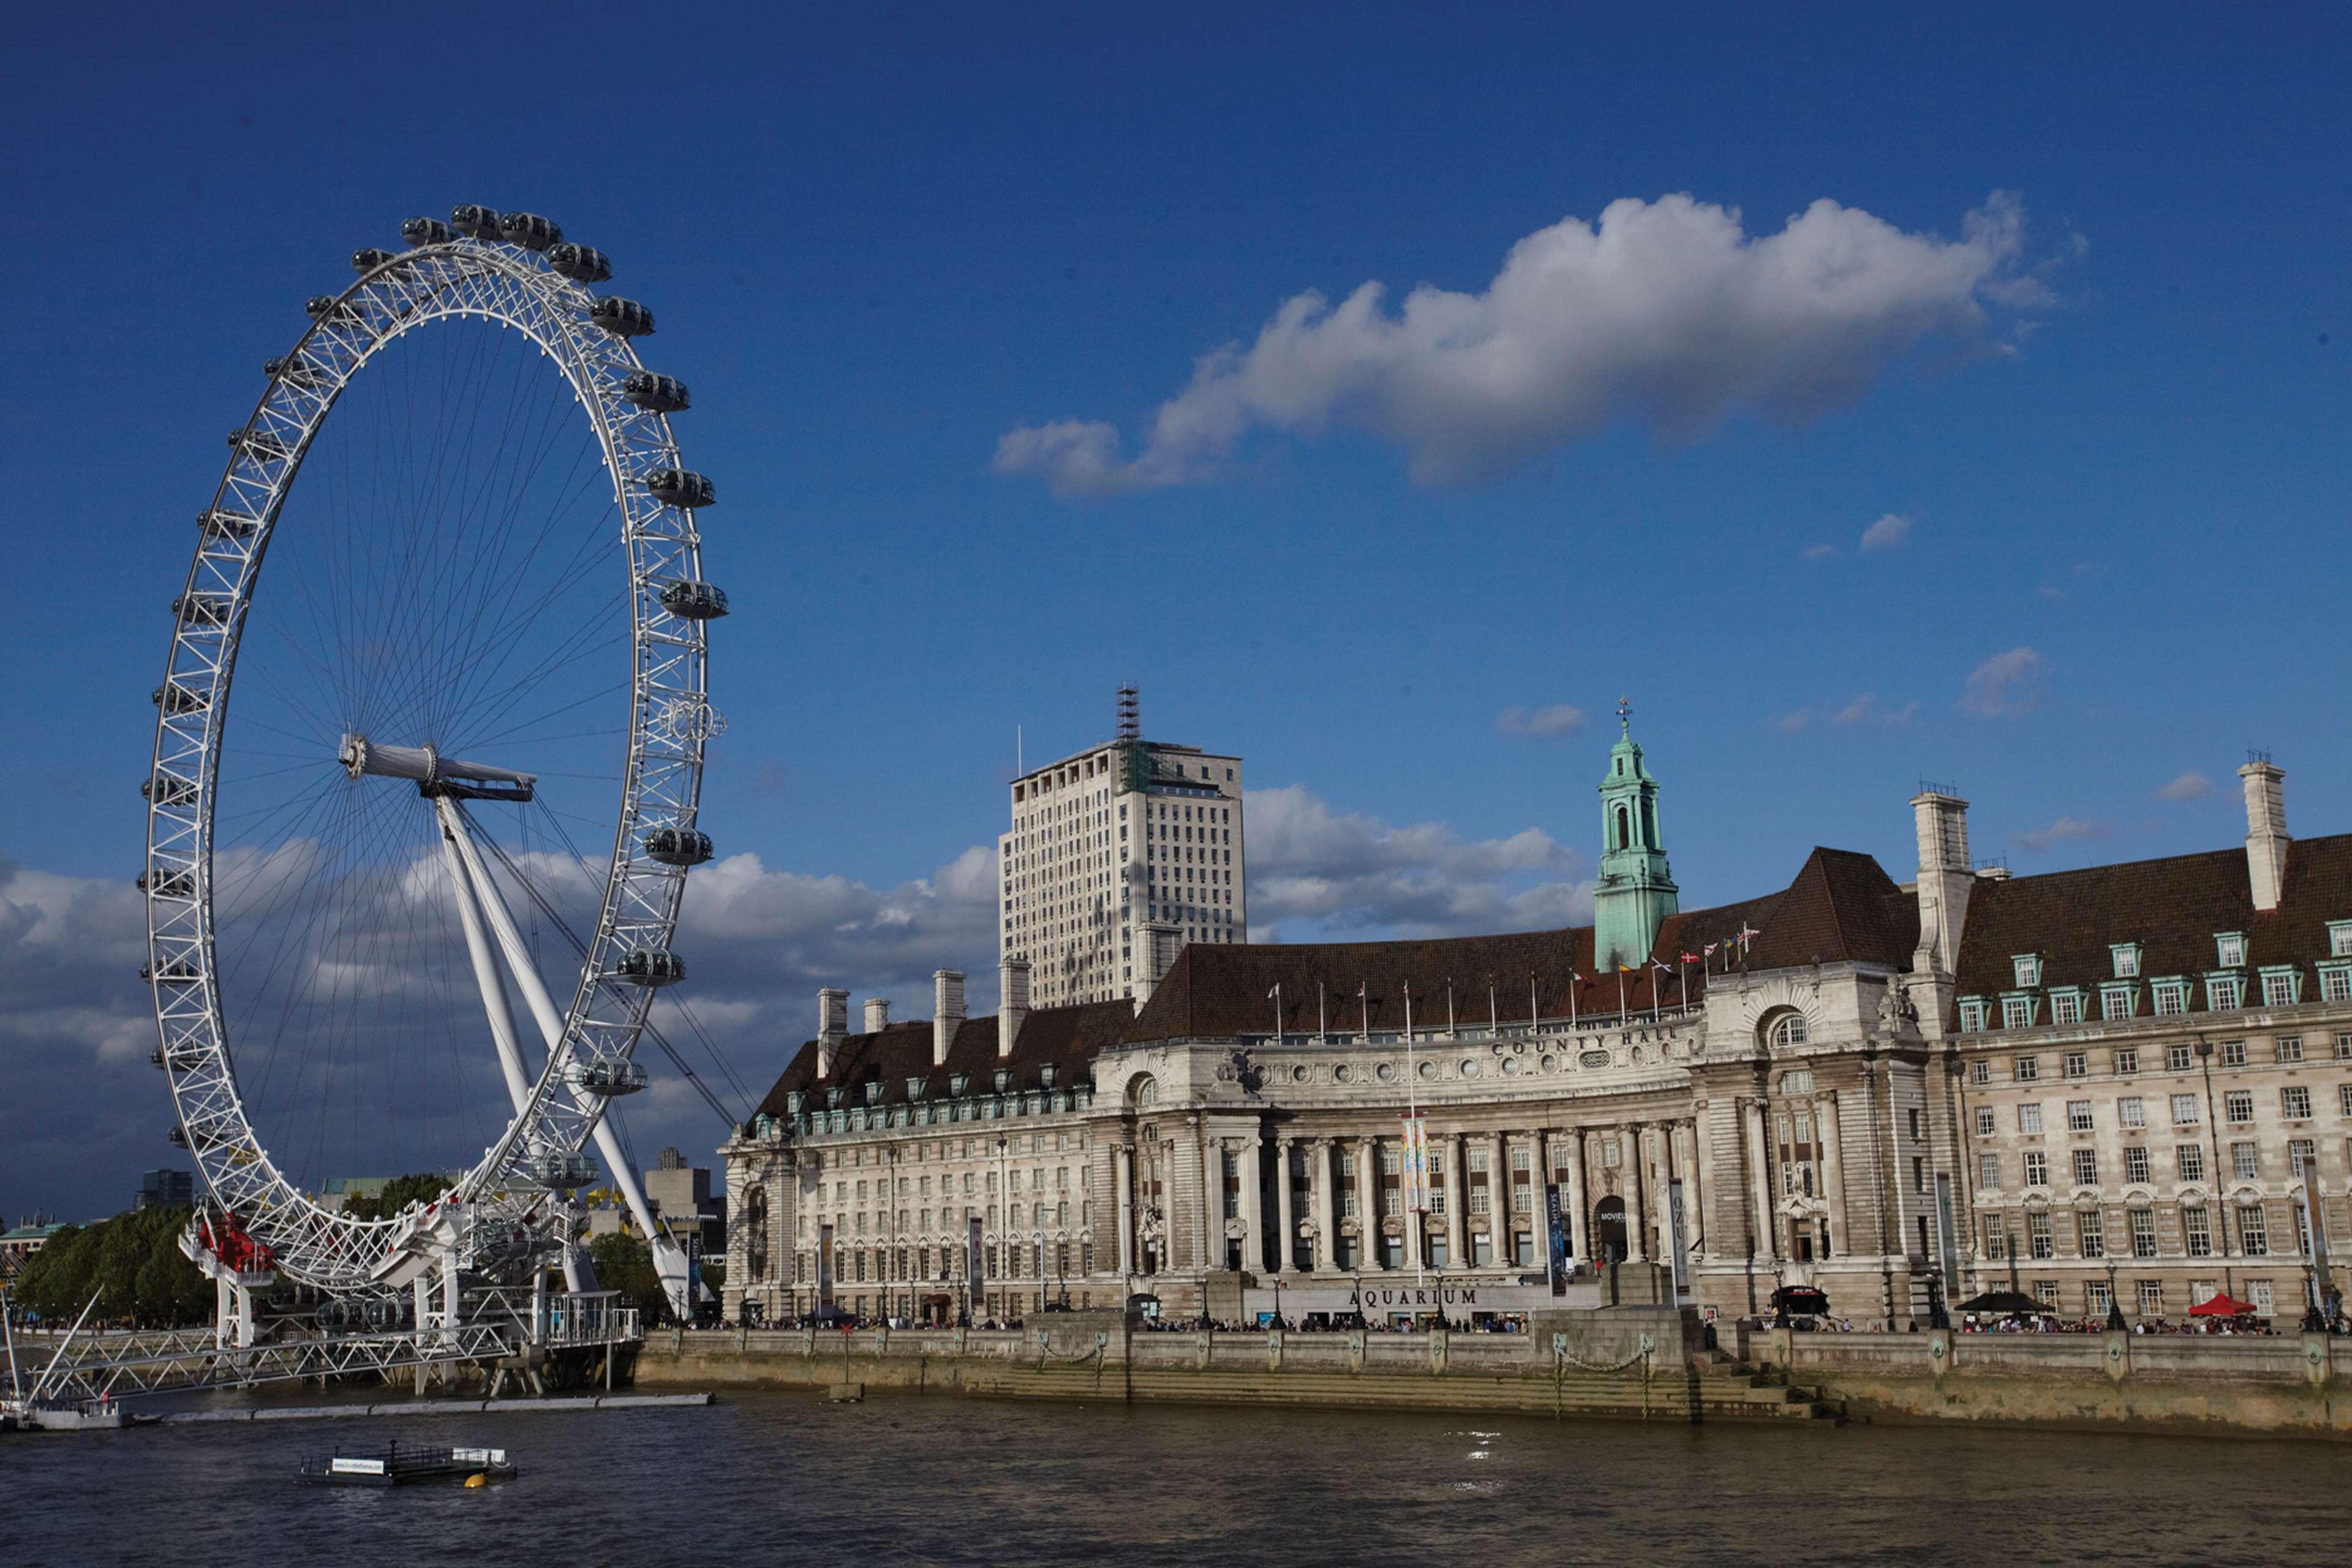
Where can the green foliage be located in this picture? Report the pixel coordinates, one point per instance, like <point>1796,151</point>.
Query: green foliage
<point>625,1264</point>
<point>419,1186</point>
<point>132,1261</point>
<point>714,1274</point>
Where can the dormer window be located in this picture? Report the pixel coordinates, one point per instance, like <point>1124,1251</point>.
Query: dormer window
<point>2229,948</point>
<point>2282,986</point>
<point>873,1092</point>
<point>2119,1000</point>
<point>1973,1014</point>
<point>2171,996</point>
<point>1046,1075</point>
<point>2127,956</point>
<point>2027,967</point>
<point>2016,1011</point>
<point>2339,939</point>
<point>833,1096</point>
<point>914,1089</point>
<point>1003,1080</point>
<point>957,1083</point>
<point>2225,992</point>
<point>793,1098</point>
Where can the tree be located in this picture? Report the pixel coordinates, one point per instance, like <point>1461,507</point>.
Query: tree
<point>625,1264</point>
<point>55,1281</point>
<point>419,1186</point>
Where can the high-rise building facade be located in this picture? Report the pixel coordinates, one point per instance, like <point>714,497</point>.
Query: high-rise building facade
<point>1117,858</point>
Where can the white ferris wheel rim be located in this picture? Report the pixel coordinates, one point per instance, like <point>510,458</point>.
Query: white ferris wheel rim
<point>450,278</point>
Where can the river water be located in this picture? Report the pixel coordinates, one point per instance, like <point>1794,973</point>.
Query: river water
<point>788,1478</point>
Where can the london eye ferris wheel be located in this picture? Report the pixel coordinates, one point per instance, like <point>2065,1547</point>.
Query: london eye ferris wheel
<point>443,753</point>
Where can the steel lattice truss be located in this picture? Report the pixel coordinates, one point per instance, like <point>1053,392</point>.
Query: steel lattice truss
<point>193,1359</point>
<point>499,1198</point>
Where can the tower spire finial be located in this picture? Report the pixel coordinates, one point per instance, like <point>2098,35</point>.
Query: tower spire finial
<point>1624,715</point>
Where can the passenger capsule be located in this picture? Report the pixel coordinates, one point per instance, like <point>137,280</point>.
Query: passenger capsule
<point>651,967</point>
<point>692,601</point>
<point>178,1136</point>
<point>204,609</point>
<point>656,393</point>
<point>319,307</point>
<point>291,370</point>
<point>367,259</point>
<point>218,524</point>
<point>560,1173</point>
<point>580,263</point>
<point>528,230</point>
<point>622,318</point>
<point>177,969</point>
<point>257,443</point>
<point>678,846</point>
<point>174,698</point>
<point>424,231</point>
<point>608,1078</point>
<point>479,222</point>
<point>169,789</point>
<point>681,487</point>
<point>167,884</point>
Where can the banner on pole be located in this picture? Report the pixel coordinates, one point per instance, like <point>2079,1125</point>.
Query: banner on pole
<point>1416,1164</point>
<point>975,1264</point>
<point>824,1266</point>
<point>1676,1234</point>
<point>1556,1223</point>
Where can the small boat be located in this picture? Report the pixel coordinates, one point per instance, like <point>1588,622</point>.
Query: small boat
<point>400,1464</point>
<point>51,1414</point>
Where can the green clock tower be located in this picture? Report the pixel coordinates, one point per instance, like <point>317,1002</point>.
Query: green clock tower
<point>1636,892</point>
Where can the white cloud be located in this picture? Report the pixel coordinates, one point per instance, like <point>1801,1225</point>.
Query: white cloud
<point>2004,684</point>
<point>1667,313</point>
<point>1865,708</point>
<point>1885,533</point>
<point>1820,552</point>
<point>1363,876</point>
<point>1546,723</point>
<point>2190,785</point>
<point>2067,829</point>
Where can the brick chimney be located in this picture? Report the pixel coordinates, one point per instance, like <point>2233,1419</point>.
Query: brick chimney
<point>1012,1004</point>
<point>947,1012</point>
<point>1943,823</point>
<point>877,1013</point>
<point>831,1027</point>
<point>2266,840</point>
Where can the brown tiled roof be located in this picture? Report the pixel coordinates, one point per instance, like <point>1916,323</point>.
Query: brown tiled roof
<point>1216,990</point>
<point>2173,907</point>
<point>1842,908</point>
<point>1064,1038</point>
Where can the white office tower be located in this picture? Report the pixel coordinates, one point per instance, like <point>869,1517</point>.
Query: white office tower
<point>1118,856</point>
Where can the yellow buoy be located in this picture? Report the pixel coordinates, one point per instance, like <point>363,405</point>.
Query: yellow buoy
<point>478,1480</point>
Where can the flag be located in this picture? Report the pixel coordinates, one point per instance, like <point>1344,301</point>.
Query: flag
<point>1690,957</point>
<point>1627,969</point>
<point>1711,947</point>
<point>1662,964</point>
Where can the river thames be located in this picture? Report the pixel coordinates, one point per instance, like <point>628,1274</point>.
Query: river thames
<point>780,1477</point>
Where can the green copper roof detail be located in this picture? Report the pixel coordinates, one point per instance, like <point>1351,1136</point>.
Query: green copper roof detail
<point>1637,891</point>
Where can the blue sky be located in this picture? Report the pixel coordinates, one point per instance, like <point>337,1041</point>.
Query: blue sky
<point>879,244</point>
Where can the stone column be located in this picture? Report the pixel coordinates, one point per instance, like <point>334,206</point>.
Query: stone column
<point>1580,1217</point>
<point>1832,1138</point>
<point>1126,1210</point>
<point>1637,1218</point>
<point>1253,1172</point>
<point>1766,1243</point>
<point>1456,1194</point>
<point>1685,1161</point>
<point>1367,1201</point>
<point>1327,1239</point>
<point>1498,1201</point>
<point>1285,1245</point>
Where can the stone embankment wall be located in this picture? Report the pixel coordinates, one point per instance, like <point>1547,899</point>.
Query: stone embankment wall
<point>2283,1385</point>
<point>1630,1364</point>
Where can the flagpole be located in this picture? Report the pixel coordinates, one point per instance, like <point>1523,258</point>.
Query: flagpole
<point>1621,993</point>
<point>1531,1001</point>
<point>1277,994</point>
<point>1412,1128</point>
<point>1575,984</point>
<point>1322,1017</point>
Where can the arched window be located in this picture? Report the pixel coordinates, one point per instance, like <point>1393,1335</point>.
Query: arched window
<point>1650,823</point>
<point>1785,1029</point>
<point>1624,827</point>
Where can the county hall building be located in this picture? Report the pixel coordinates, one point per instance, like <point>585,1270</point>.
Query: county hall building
<point>2132,1077</point>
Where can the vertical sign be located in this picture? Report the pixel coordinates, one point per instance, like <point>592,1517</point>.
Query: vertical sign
<point>1948,1251</point>
<point>975,1268</point>
<point>1556,1254</point>
<point>1416,1164</point>
<point>1675,1237</point>
<point>823,1265</point>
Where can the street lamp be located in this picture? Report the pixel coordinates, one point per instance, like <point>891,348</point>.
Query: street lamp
<point>2115,1323</point>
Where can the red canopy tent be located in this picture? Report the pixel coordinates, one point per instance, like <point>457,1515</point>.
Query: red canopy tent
<point>2220,1307</point>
